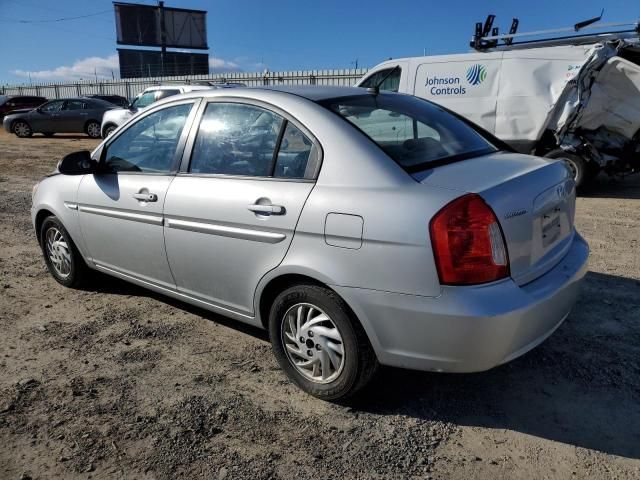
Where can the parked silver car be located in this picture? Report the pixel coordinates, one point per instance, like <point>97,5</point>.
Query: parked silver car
<point>65,115</point>
<point>357,227</point>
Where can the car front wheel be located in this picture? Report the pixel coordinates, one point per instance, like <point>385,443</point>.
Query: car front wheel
<point>319,344</point>
<point>109,130</point>
<point>93,129</point>
<point>61,255</point>
<point>22,129</point>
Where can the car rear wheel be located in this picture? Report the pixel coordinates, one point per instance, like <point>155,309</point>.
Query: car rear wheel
<point>22,129</point>
<point>93,129</point>
<point>319,344</point>
<point>583,171</point>
<point>61,255</point>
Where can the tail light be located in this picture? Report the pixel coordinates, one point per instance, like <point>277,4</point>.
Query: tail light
<point>468,243</point>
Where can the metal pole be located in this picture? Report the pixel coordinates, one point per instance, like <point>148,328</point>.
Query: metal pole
<point>163,36</point>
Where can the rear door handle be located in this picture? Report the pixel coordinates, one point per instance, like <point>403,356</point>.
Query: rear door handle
<point>146,197</point>
<point>267,209</point>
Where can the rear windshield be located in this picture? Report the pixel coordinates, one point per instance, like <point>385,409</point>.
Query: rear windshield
<point>413,132</point>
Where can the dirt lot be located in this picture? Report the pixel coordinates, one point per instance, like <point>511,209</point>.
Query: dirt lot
<point>119,382</point>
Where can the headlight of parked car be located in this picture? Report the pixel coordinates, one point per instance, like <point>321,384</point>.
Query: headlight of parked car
<point>34,189</point>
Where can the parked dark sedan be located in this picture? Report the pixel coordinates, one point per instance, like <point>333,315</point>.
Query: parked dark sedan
<point>70,115</point>
<point>9,103</point>
<point>115,99</point>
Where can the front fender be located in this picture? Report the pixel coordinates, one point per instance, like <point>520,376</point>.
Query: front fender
<point>58,194</point>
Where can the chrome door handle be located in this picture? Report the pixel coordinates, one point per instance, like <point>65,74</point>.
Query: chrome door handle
<point>267,209</point>
<point>146,197</point>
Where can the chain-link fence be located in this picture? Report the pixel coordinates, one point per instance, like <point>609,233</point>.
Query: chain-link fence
<point>129,88</point>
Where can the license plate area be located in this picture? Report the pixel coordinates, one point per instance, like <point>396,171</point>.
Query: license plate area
<point>551,228</point>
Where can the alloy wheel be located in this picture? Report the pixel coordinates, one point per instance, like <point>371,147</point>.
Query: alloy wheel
<point>22,129</point>
<point>58,252</point>
<point>93,130</point>
<point>313,343</point>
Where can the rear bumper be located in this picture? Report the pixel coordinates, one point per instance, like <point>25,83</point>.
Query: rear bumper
<point>468,329</point>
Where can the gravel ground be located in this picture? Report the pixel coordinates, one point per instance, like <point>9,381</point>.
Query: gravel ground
<point>119,382</point>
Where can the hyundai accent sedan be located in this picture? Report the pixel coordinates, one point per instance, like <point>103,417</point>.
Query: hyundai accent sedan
<point>358,227</point>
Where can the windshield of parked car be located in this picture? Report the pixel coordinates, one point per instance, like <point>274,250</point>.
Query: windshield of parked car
<point>144,100</point>
<point>415,133</point>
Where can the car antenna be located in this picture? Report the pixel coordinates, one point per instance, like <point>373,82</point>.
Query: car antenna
<point>375,90</point>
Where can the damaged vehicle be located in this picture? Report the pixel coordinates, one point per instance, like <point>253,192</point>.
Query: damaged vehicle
<point>575,97</point>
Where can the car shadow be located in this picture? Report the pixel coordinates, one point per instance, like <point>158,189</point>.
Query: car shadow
<point>611,187</point>
<point>580,387</point>
<point>107,284</point>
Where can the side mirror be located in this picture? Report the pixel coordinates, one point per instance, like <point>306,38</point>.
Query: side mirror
<point>77,163</point>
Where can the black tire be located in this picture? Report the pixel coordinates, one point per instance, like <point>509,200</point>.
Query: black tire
<point>78,271</point>
<point>92,128</point>
<point>22,129</point>
<point>359,362</point>
<point>49,134</point>
<point>109,130</point>
<point>583,171</point>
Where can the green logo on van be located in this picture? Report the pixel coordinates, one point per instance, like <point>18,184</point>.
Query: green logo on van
<point>476,74</point>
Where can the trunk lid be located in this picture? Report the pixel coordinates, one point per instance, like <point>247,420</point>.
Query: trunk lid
<point>533,198</point>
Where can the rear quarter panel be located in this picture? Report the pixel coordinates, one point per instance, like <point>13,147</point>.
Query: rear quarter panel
<point>394,253</point>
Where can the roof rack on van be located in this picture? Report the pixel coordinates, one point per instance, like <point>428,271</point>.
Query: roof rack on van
<point>186,81</point>
<point>487,37</point>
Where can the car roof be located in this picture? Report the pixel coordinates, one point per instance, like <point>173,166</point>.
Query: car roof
<point>317,93</point>
<point>186,88</point>
<point>309,92</point>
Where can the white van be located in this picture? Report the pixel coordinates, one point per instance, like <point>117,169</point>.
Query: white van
<point>578,102</point>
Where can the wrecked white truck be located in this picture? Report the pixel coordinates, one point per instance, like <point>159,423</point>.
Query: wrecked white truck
<point>576,97</point>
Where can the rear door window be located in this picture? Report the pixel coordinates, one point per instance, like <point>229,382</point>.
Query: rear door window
<point>298,157</point>
<point>236,139</point>
<point>74,105</point>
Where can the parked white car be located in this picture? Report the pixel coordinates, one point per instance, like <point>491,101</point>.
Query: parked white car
<point>119,116</point>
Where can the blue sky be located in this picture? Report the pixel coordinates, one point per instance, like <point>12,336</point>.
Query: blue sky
<point>276,34</point>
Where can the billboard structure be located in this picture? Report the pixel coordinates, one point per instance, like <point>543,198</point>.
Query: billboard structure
<point>151,63</point>
<point>164,27</point>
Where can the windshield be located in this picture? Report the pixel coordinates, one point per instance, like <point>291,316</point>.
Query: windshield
<point>413,132</point>
<point>144,100</point>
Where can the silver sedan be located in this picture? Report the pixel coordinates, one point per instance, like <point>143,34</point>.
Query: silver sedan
<point>359,227</point>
